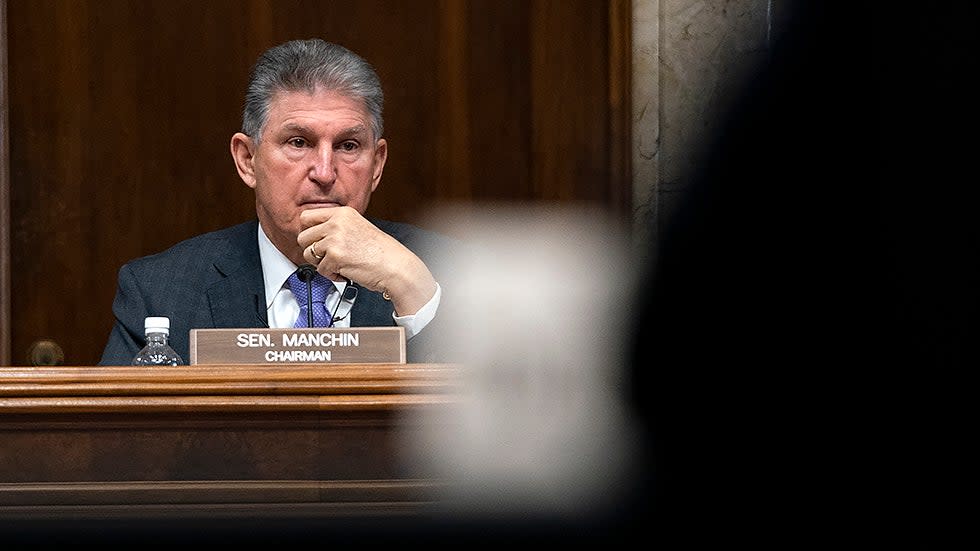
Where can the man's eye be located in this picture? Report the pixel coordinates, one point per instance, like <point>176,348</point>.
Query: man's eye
<point>297,142</point>
<point>348,146</point>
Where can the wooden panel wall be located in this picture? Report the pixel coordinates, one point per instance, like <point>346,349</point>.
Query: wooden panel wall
<point>4,195</point>
<point>120,114</point>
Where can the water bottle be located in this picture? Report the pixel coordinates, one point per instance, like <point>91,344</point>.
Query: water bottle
<point>157,350</point>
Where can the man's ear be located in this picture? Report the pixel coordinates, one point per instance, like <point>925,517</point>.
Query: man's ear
<point>380,156</point>
<point>243,152</point>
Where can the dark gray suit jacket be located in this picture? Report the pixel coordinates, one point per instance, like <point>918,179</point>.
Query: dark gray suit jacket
<point>215,280</point>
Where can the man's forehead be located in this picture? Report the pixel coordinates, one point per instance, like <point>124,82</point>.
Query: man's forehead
<point>322,97</point>
<point>306,126</point>
<point>300,110</point>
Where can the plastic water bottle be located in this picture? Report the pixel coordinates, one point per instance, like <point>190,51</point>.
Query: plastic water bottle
<point>157,350</point>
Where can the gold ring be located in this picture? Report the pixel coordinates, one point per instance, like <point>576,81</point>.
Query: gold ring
<point>313,251</point>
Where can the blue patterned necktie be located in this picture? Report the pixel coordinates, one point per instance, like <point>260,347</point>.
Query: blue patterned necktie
<point>321,288</point>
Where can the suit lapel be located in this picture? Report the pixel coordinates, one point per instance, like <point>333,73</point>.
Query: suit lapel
<point>237,299</point>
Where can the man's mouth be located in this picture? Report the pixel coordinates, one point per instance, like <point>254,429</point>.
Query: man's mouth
<point>318,204</point>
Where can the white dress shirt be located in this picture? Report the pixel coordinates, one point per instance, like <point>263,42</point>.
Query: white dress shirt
<point>282,308</point>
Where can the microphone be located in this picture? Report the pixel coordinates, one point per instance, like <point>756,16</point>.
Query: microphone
<point>349,296</point>
<point>306,273</point>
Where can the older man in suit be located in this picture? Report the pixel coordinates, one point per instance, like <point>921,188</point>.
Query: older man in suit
<point>312,151</point>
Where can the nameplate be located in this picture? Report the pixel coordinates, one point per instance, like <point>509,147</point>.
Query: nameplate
<point>357,345</point>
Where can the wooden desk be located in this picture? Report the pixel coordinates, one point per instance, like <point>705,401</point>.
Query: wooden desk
<point>218,440</point>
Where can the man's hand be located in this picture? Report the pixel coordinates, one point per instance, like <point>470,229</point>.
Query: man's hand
<point>352,247</point>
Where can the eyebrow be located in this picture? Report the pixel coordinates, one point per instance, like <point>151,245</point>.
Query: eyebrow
<point>299,128</point>
<point>303,129</point>
<point>353,130</point>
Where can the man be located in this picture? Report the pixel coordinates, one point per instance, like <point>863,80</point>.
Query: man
<point>312,151</point>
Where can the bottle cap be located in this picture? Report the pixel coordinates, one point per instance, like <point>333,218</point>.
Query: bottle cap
<point>157,325</point>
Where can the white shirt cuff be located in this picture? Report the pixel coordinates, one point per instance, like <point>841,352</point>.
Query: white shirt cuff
<point>414,323</point>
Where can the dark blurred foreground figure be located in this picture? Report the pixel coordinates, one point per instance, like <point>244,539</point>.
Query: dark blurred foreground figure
<point>815,290</point>
<point>740,312</point>
<point>928,346</point>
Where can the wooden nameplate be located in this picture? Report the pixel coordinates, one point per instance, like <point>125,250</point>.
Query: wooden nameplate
<point>358,345</point>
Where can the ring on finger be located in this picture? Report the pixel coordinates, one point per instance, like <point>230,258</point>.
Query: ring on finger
<point>313,251</point>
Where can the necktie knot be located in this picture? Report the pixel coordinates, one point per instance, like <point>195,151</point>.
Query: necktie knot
<point>320,287</point>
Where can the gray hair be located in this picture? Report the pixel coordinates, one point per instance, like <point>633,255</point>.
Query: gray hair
<point>303,65</point>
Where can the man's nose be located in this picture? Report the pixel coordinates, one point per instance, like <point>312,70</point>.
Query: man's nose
<point>322,169</point>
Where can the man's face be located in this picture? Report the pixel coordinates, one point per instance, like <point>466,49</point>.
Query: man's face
<point>317,150</point>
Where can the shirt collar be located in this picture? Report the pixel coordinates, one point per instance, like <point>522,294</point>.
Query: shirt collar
<point>276,269</point>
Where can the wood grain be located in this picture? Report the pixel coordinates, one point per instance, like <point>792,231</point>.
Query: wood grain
<point>326,439</point>
<point>120,114</point>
